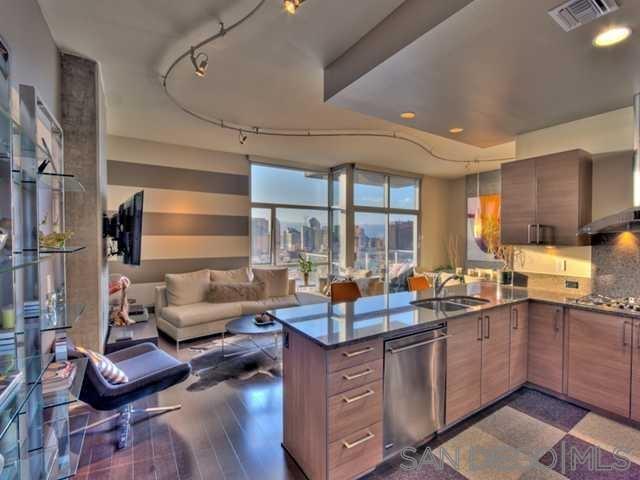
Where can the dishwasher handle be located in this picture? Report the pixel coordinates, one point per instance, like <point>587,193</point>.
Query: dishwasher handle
<point>419,344</point>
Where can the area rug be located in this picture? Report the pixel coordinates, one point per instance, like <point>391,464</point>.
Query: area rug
<point>241,360</point>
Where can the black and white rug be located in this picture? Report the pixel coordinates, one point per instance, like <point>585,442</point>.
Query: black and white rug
<point>240,360</point>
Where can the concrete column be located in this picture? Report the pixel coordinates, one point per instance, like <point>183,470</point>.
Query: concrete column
<point>83,123</point>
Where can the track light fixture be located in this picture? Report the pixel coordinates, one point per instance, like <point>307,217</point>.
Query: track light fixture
<point>242,137</point>
<point>200,62</point>
<point>291,6</point>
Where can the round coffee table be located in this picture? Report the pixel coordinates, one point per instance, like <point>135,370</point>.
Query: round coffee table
<point>246,326</point>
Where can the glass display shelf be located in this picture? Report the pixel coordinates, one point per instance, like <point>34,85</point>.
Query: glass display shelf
<point>58,459</point>
<point>32,368</point>
<point>29,147</point>
<point>17,261</point>
<point>61,250</point>
<point>63,317</point>
<point>59,182</point>
<point>64,394</point>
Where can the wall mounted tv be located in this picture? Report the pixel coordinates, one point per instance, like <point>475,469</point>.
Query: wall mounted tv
<point>125,230</point>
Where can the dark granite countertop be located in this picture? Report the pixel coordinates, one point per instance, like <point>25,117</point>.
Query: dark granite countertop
<point>392,315</point>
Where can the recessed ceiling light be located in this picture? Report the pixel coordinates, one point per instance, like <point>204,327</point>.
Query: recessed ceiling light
<point>612,36</point>
<point>291,6</point>
<point>456,130</point>
<point>408,115</point>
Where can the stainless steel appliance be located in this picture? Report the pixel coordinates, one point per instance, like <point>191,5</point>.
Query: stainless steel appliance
<point>414,388</point>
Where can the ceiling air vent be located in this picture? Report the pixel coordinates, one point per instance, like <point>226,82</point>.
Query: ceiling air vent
<point>575,13</point>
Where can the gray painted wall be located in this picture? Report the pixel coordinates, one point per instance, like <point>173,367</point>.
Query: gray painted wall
<point>34,55</point>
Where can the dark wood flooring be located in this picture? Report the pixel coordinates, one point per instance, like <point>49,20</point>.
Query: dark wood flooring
<point>230,431</point>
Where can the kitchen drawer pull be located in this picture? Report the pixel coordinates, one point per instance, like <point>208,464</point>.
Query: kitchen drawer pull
<point>556,323</point>
<point>416,345</point>
<point>357,352</point>
<point>362,396</point>
<point>624,333</point>
<point>349,446</point>
<point>516,320</point>
<point>368,371</point>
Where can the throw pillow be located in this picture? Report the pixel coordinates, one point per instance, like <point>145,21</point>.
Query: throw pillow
<point>276,281</point>
<point>187,288</point>
<point>106,367</point>
<point>236,292</point>
<point>240,275</point>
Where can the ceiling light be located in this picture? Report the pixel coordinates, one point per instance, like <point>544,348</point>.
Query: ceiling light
<point>408,115</point>
<point>200,62</point>
<point>291,6</point>
<point>456,130</point>
<point>612,36</point>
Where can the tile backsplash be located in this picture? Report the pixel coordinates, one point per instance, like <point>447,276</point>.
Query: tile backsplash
<point>616,266</point>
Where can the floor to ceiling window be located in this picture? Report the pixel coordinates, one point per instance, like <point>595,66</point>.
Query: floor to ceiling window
<point>289,217</point>
<point>386,226</point>
<point>349,219</point>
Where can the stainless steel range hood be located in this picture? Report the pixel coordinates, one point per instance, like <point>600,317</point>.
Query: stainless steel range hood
<point>629,219</point>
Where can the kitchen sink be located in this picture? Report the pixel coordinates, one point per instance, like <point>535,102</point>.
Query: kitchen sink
<point>450,304</point>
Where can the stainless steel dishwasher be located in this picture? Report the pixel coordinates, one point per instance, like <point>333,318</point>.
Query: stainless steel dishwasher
<point>414,388</point>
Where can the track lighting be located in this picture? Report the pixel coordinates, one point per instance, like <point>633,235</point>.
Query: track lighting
<point>291,6</point>
<point>200,62</point>
<point>242,137</point>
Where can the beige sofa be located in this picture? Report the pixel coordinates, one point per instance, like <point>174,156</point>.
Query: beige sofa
<point>184,311</point>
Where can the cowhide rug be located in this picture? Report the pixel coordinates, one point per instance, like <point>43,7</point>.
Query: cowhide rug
<point>241,360</point>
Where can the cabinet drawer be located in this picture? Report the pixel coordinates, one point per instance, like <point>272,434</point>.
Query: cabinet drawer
<point>354,410</point>
<point>353,355</point>
<point>356,453</point>
<point>354,377</point>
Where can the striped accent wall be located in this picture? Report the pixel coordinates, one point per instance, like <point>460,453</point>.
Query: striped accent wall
<point>196,208</point>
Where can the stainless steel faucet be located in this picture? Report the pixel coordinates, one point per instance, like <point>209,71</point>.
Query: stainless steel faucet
<point>439,284</point>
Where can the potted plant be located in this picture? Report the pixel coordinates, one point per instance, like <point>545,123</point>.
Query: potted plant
<point>306,267</point>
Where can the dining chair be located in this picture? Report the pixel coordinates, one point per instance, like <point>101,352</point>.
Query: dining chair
<point>418,283</point>
<point>345,292</point>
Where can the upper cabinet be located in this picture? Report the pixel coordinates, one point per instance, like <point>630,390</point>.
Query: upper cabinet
<point>545,200</point>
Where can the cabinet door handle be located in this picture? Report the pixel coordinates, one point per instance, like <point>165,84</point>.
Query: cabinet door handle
<point>368,371</point>
<point>480,328</point>
<point>556,325</point>
<point>364,439</point>
<point>488,333</point>
<point>362,396</point>
<point>624,333</point>
<point>516,321</point>
<point>637,327</point>
<point>357,352</point>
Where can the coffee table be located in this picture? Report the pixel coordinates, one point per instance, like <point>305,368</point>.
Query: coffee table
<point>246,326</point>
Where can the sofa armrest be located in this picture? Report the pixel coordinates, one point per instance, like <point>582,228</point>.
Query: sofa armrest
<point>161,299</point>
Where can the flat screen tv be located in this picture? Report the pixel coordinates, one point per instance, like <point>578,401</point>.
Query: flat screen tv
<point>125,229</point>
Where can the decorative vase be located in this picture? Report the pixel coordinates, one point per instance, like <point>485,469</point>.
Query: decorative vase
<point>306,279</point>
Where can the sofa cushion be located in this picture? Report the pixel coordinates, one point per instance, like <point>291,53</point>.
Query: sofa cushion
<point>198,313</point>
<point>236,292</point>
<point>187,288</point>
<point>240,275</point>
<point>276,281</point>
<point>252,308</point>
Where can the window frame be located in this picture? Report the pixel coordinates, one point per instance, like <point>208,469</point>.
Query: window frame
<point>273,207</point>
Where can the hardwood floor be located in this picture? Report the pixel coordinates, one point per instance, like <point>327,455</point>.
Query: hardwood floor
<point>230,431</point>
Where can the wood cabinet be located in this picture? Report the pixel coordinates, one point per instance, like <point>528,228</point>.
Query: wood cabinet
<point>477,361</point>
<point>464,366</point>
<point>545,200</point>
<point>332,406</point>
<point>545,349</point>
<point>518,344</point>
<point>599,360</point>
<point>495,354</point>
<point>635,377</point>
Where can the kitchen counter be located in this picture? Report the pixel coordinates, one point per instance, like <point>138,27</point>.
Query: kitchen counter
<point>387,316</point>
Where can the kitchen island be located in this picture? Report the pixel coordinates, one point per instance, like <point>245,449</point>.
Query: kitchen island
<point>337,407</point>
